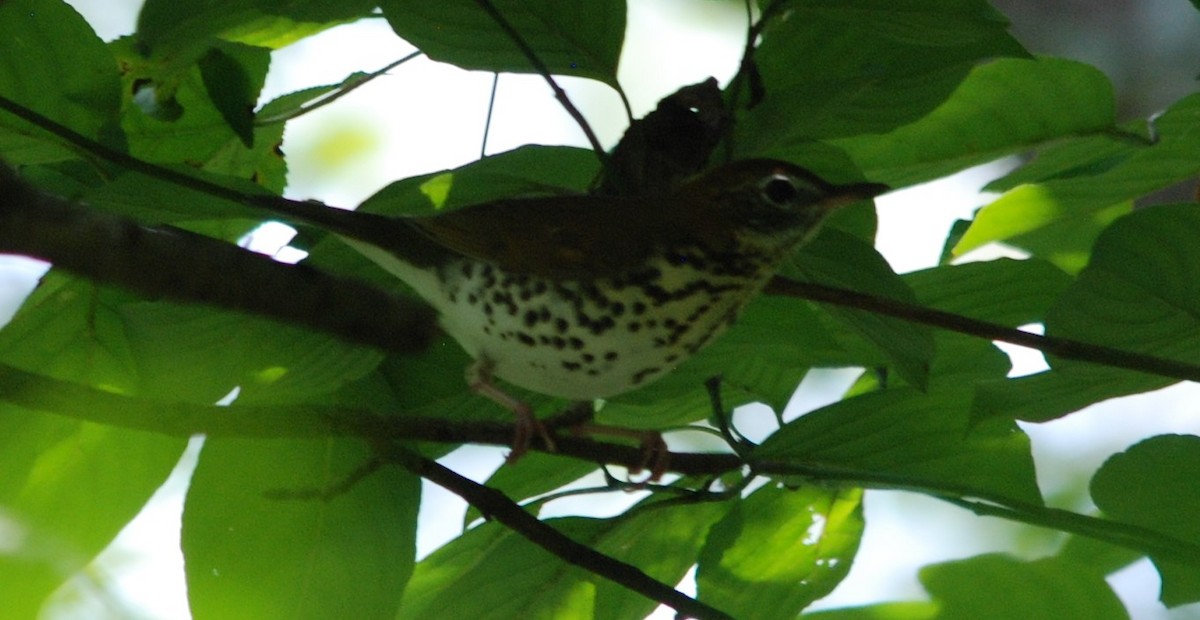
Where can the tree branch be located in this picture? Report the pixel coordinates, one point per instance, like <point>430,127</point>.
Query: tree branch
<point>495,505</point>
<point>38,393</point>
<point>1062,347</point>
<point>179,265</point>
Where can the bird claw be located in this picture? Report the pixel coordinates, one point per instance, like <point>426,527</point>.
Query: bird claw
<point>655,455</point>
<point>526,427</point>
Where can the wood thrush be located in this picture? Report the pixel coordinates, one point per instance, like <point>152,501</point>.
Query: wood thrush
<point>590,296</point>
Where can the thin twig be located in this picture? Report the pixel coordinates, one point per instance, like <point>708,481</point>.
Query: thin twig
<point>544,71</point>
<point>487,123</point>
<point>341,91</point>
<point>1062,347</point>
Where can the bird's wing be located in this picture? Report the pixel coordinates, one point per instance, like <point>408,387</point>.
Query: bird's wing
<point>561,238</point>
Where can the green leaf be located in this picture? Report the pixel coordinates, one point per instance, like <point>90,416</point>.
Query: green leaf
<point>779,550</point>
<point>571,38</point>
<point>1005,291</point>
<point>1001,107</point>
<point>231,88</point>
<point>71,329</point>
<point>903,438</point>
<point>998,587</point>
<point>664,541</point>
<point>198,354</point>
<point>1068,243</point>
<point>54,64</point>
<point>179,27</point>
<point>536,473</point>
<point>867,66</point>
<point>1081,156</point>
<point>248,555</point>
<point>524,171</point>
<point>1100,556</point>
<point>151,200</point>
<point>491,572</point>
<point>1136,295</point>
<point>199,134</point>
<point>1042,396</point>
<point>68,488</point>
<point>1153,485</point>
<point>837,259</point>
<point>1062,199</point>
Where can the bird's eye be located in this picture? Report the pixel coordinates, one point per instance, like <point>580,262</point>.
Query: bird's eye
<point>780,190</point>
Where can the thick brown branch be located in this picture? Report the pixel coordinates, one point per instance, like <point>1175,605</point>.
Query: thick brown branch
<point>165,262</point>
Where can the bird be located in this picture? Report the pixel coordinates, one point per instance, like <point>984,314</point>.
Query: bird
<point>587,297</point>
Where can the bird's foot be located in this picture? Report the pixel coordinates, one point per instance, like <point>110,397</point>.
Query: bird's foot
<point>655,455</point>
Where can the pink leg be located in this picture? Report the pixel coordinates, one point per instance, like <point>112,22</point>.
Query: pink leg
<point>479,380</point>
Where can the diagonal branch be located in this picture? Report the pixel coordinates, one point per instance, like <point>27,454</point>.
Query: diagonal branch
<point>495,505</point>
<point>1062,347</point>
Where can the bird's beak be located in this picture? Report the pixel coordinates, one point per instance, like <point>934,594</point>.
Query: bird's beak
<point>843,195</point>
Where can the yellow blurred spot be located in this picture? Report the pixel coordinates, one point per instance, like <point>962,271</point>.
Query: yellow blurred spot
<point>342,144</point>
<point>270,375</point>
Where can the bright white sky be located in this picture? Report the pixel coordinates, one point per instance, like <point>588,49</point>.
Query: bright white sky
<point>426,117</point>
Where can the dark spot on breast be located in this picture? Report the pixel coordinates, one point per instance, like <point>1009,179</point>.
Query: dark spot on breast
<point>641,375</point>
<point>604,324</point>
<point>571,365</point>
<point>526,339</point>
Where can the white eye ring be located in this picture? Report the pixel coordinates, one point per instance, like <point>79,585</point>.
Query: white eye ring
<point>780,189</point>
